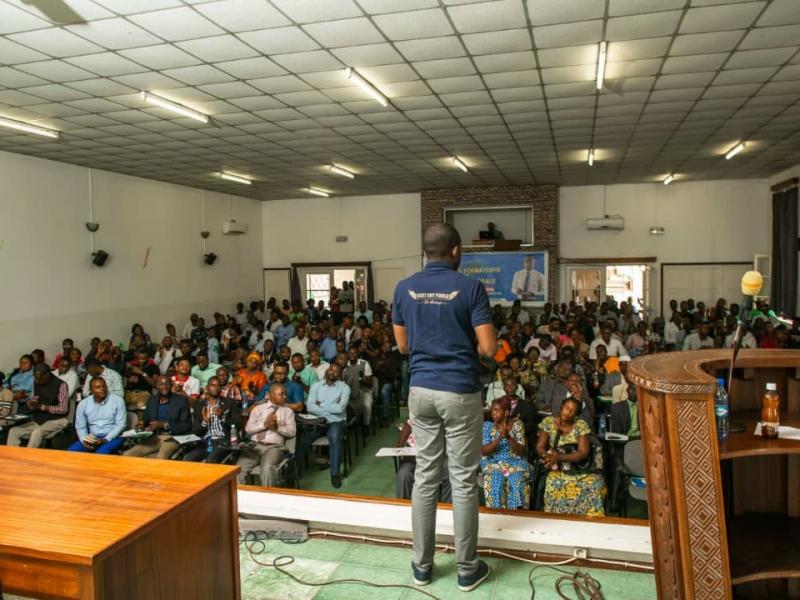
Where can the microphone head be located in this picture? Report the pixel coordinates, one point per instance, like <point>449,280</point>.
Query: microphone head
<point>752,281</point>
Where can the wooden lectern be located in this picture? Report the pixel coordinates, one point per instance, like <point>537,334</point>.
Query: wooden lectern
<point>722,514</point>
<point>80,526</point>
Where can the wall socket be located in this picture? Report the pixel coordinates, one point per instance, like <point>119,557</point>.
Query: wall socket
<point>580,553</point>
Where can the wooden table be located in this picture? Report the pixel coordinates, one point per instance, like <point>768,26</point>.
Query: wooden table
<point>112,527</point>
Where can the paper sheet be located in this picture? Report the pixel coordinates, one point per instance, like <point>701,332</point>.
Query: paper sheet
<point>784,431</point>
<point>132,433</point>
<point>186,439</point>
<point>390,452</point>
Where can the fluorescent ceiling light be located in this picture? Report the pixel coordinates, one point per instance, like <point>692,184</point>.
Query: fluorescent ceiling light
<point>734,151</point>
<point>235,177</point>
<point>341,171</point>
<point>601,65</point>
<point>20,126</point>
<point>318,192</point>
<point>591,157</point>
<point>371,90</point>
<point>174,107</point>
<point>656,231</point>
<point>669,179</point>
<point>460,165</point>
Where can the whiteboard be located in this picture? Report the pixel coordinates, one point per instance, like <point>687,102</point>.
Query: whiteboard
<point>703,282</point>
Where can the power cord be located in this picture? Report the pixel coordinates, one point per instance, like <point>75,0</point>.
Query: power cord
<point>583,585</point>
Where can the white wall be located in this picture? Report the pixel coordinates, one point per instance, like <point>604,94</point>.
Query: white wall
<point>705,221</point>
<point>50,290</point>
<point>384,229</point>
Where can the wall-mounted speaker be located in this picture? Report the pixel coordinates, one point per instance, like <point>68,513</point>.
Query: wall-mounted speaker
<point>209,258</point>
<point>100,257</point>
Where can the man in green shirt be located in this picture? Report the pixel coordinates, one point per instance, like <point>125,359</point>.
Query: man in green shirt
<point>204,370</point>
<point>302,374</point>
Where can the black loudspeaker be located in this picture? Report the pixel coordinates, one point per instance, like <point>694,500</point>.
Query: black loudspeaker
<point>100,257</point>
<point>209,258</point>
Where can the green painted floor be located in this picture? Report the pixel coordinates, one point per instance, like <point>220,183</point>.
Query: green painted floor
<point>327,560</point>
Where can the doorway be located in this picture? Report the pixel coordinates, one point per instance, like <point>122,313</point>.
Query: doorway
<point>598,283</point>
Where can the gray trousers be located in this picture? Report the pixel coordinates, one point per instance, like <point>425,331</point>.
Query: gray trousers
<point>265,456</point>
<point>446,425</point>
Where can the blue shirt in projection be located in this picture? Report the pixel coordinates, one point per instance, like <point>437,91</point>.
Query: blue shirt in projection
<point>440,309</point>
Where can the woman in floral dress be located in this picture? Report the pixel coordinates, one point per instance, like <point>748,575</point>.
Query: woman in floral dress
<point>505,468</point>
<point>571,486</point>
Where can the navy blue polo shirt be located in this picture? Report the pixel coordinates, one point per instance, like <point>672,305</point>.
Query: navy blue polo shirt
<point>440,308</point>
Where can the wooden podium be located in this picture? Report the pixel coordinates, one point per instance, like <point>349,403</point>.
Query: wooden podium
<point>721,514</point>
<point>112,527</point>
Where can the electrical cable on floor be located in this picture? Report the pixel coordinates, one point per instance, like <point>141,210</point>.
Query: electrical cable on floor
<point>583,585</point>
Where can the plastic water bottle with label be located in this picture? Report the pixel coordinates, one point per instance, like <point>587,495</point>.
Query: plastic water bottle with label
<point>601,427</point>
<point>722,410</point>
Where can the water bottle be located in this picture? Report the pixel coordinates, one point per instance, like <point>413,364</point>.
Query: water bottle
<point>245,403</point>
<point>210,445</point>
<point>721,410</point>
<point>601,427</point>
<point>234,436</point>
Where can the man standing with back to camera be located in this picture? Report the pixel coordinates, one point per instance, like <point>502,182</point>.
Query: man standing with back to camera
<point>443,320</point>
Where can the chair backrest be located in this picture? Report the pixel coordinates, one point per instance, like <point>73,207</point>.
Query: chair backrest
<point>133,419</point>
<point>71,407</point>
<point>634,458</point>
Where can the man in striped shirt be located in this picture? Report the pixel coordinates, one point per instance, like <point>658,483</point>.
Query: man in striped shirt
<point>47,408</point>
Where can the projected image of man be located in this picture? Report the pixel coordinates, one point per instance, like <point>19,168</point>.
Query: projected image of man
<point>528,283</point>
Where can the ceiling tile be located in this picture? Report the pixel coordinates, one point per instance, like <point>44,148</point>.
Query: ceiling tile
<point>251,68</point>
<point>508,61</point>
<point>177,24</point>
<point>716,18</point>
<point>704,43</point>
<point>347,32</point>
<point>568,74</point>
<point>694,63</point>
<point>106,63</point>
<point>312,11</point>
<point>243,15</point>
<point>368,55</point>
<point>737,76</point>
<point>446,47</point>
<point>780,12</point>
<point>488,16</point>
<point>414,25</point>
<point>634,7</point>
<point>632,68</point>
<point>279,41</point>
<point>456,84</point>
<point>446,67</point>
<point>198,74</point>
<point>16,79</point>
<point>376,7</point>
<point>234,89</point>
<point>114,34</point>
<point>771,37</point>
<point>55,92</point>
<point>128,7</point>
<point>304,62</point>
<point>13,20</point>
<point>219,48</point>
<point>55,42</point>
<point>285,83</point>
<point>547,12</point>
<point>148,81</point>
<point>744,59</point>
<point>492,43</point>
<point>568,34</point>
<point>164,56</point>
<point>101,87</point>
<point>55,70</point>
<point>642,26</point>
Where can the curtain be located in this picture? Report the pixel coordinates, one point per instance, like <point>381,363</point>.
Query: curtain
<point>370,287</point>
<point>295,286</point>
<point>783,296</point>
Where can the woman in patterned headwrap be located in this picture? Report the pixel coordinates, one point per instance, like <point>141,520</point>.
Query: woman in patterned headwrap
<point>250,377</point>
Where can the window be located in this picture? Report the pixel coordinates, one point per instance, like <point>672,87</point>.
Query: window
<point>318,287</point>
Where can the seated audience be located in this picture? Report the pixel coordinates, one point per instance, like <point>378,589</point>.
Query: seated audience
<point>616,370</point>
<point>699,339</point>
<point>167,414</point>
<point>496,388</point>
<point>357,374</point>
<point>214,417</point>
<point>404,479</point>
<point>505,468</point>
<point>67,374</point>
<point>251,379</point>
<point>301,374</point>
<point>140,379</point>
<point>165,354</point>
<point>47,406</point>
<point>638,342</point>
<point>100,420</point>
<point>614,347</point>
<point>94,368</point>
<point>204,369</point>
<point>553,391</point>
<point>19,386</point>
<point>183,383</point>
<point>571,487</point>
<point>66,347</point>
<point>320,366</point>
<point>625,411</point>
<point>270,426</point>
<point>294,391</point>
<point>328,399</point>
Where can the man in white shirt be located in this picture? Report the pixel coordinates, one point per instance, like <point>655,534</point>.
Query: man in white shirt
<point>672,331</point>
<point>614,346</point>
<point>189,327</point>
<point>528,282</point>
<point>165,354</point>
<point>699,339</point>
<point>349,332</point>
<point>319,365</point>
<point>258,337</point>
<point>112,378</point>
<point>67,374</point>
<point>241,315</point>
<point>547,349</point>
<point>299,343</point>
<point>521,315</point>
<point>363,311</point>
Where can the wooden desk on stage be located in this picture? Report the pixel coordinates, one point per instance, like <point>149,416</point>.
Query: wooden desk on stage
<point>699,551</point>
<point>116,528</point>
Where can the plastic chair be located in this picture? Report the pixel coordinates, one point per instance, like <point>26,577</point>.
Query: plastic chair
<point>631,476</point>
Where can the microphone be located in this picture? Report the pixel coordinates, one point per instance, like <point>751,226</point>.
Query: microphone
<point>752,282</point>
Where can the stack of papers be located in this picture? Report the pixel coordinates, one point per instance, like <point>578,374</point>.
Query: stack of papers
<point>137,435</point>
<point>784,431</point>
<point>186,439</point>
